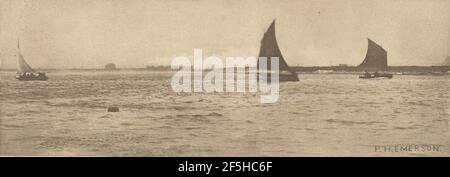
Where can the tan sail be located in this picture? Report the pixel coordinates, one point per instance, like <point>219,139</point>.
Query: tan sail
<point>25,72</point>
<point>23,65</point>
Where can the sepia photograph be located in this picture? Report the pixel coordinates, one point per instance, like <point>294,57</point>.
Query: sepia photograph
<point>225,78</point>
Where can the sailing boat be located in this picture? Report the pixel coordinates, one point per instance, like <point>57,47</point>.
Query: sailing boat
<point>376,60</point>
<point>269,48</point>
<point>25,72</point>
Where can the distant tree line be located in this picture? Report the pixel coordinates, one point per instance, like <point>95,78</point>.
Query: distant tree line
<point>158,67</point>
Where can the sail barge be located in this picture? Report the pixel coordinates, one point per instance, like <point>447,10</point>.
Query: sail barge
<point>25,72</point>
<point>375,61</point>
<point>269,48</point>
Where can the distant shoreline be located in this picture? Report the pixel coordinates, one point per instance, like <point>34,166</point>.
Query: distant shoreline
<point>414,69</point>
<point>302,69</point>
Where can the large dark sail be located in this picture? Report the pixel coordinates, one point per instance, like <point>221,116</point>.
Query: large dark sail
<point>376,58</point>
<point>269,48</point>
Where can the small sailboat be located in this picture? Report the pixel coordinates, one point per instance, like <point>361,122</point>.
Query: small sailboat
<point>269,48</point>
<point>25,72</point>
<point>375,61</point>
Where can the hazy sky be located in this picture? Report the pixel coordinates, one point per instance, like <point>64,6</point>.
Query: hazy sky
<point>134,33</point>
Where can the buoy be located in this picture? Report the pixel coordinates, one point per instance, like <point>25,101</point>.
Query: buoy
<point>113,109</point>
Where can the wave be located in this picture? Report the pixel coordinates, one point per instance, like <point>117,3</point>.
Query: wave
<point>12,126</point>
<point>349,122</point>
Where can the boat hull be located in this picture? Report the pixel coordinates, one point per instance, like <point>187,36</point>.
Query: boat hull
<point>288,77</point>
<point>389,76</point>
<point>32,78</point>
<point>284,77</point>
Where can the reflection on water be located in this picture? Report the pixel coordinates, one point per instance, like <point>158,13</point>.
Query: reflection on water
<point>322,115</point>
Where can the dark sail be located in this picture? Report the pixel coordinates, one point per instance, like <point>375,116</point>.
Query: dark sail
<point>376,58</point>
<point>269,48</point>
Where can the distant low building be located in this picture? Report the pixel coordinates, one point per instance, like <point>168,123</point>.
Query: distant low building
<point>110,66</point>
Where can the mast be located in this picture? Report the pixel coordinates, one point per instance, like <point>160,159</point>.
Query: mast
<point>376,57</point>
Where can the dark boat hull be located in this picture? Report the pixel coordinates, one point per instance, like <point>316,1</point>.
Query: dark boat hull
<point>32,78</point>
<point>288,77</point>
<point>284,77</point>
<point>389,76</point>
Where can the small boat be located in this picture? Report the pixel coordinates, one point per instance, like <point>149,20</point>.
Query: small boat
<point>437,73</point>
<point>376,60</point>
<point>269,48</point>
<point>31,76</point>
<point>324,71</point>
<point>376,75</point>
<point>25,72</point>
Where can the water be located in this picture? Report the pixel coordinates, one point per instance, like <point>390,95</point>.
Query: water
<point>322,115</point>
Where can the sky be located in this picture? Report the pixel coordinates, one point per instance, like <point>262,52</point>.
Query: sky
<point>136,33</point>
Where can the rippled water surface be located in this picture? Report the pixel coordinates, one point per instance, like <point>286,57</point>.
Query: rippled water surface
<point>322,115</point>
